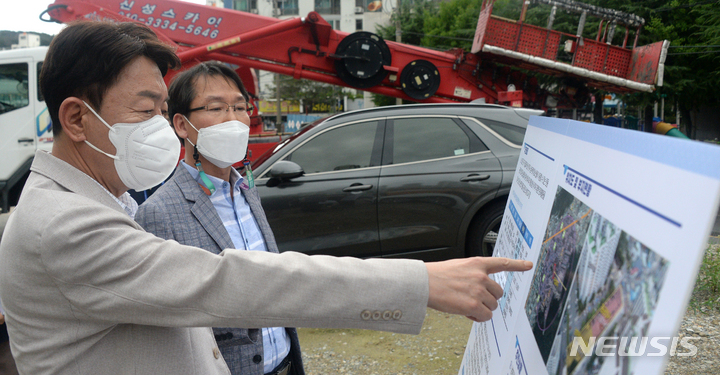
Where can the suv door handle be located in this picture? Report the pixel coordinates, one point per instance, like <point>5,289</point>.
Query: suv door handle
<point>357,187</point>
<point>475,177</point>
<point>26,140</point>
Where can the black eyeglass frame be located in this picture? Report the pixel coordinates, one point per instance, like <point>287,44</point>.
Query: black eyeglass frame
<point>249,107</point>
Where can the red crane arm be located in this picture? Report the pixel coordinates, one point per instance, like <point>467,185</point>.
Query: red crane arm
<point>308,47</point>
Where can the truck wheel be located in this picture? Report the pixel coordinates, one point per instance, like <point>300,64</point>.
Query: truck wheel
<point>483,230</point>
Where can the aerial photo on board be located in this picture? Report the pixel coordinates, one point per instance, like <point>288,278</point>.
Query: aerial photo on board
<point>592,280</point>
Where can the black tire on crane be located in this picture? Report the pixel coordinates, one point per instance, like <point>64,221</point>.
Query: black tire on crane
<point>420,79</point>
<point>361,57</point>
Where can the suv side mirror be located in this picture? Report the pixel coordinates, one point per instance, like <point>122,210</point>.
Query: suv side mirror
<point>285,170</point>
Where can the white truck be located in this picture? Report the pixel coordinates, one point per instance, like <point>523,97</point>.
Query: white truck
<point>24,120</point>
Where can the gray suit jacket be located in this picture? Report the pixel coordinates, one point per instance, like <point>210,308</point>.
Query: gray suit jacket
<point>179,210</point>
<point>87,291</point>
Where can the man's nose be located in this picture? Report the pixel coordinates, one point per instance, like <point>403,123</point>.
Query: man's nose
<point>230,114</point>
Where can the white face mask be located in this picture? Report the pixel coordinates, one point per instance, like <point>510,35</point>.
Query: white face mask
<point>147,151</point>
<point>223,144</point>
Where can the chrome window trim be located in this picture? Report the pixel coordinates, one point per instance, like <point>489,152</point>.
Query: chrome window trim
<point>321,173</point>
<point>498,136</point>
<point>436,159</point>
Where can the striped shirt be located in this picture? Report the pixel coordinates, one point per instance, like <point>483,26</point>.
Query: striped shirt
<point>245,233</point>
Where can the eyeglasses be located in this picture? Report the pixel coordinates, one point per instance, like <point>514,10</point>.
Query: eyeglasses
<point>217,108</point>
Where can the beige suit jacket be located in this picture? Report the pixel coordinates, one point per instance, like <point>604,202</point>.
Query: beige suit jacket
<point>87,291</point>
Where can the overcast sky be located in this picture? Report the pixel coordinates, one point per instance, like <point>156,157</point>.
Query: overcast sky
<point>22,15</point>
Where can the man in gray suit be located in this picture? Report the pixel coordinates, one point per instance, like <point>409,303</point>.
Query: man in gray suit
<point>87,291</point>
<point>208,204</point>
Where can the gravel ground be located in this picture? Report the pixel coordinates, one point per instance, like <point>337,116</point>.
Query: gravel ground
<point>439,348</point>
<point>702,322</point>
<point>704,326</point>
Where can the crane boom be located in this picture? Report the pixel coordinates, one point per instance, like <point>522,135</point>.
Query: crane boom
<point>308,47</point>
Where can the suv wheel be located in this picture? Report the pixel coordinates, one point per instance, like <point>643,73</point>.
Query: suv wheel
<point>483,230</point>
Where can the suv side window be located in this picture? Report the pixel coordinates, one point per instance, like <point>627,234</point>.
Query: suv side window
<point>512,133</point>
<point>13,87</point>
<point>351,147</point>
<point>416,139</point>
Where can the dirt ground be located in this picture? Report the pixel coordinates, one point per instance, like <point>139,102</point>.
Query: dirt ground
<point>438,349</point>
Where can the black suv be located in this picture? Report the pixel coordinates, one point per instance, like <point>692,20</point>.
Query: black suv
<point>426,181</point>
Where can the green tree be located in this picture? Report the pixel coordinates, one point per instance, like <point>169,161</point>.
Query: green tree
<point>412,20</point>
<point>691,78</point>
<point>453,26</point>
<point>691,74</point>
<point>312,92</point>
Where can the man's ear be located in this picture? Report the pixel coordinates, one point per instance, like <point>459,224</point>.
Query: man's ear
<point>71,114</point>
<point>180,125</point>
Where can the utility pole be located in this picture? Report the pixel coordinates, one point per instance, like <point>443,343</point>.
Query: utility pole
<point>278,113</point>
<point>398,35</point>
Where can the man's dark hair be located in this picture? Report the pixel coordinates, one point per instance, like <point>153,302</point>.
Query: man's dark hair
<point>182,89</point>
<point>86,58</point>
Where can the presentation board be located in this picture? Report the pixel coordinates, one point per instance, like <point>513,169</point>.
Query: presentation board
<point>616,222</point>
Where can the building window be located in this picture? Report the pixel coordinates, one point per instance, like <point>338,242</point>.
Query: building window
<point>335,24</point>
<point>327,6</point>
<point>287,7</point>
<point>245,5</point>
<point>358,24</point>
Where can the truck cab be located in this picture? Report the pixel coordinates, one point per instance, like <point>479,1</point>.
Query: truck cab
<point>25,123</point>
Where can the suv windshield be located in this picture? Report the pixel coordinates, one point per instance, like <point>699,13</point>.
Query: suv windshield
<point>13,86</point>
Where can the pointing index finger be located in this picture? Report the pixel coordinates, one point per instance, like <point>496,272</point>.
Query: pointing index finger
<point>494,265</point>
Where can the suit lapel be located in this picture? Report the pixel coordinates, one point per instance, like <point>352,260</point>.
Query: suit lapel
<point>203,209</point>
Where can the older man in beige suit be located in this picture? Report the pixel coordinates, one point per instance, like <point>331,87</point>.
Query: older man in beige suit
<point>87,291</point>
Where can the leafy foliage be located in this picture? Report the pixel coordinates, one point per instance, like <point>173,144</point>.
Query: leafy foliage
<point>311,92</point>
<point>707,285</point>
<point>691,79</point>
<point>454,19</point>
<point>412,20</point>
